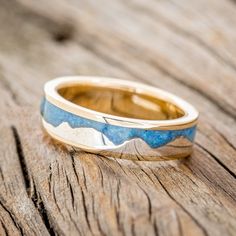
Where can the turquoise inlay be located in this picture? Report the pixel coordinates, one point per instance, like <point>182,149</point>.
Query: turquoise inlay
<point>117,134</point>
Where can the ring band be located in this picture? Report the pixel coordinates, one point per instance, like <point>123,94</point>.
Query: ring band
<point>118,118</point>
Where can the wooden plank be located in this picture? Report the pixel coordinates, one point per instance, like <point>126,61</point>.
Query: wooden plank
<point>46,188</point>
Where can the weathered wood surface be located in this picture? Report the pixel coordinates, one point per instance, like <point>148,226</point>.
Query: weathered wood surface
<point>186,47</point>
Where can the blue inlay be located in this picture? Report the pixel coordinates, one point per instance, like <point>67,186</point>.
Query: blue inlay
<point>117,134</point>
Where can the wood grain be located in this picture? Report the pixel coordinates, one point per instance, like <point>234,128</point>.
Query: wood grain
<point>185,47</point>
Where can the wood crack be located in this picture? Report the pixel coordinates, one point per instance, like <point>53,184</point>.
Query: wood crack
<point>120,226</point>
<point>118,193</point>
<point>101,175</point>
<point>50,178</point>
<point>21,158</point>
<point>156,230</point>
<point>39,205</point>
<point>84,176</point>
<point>85,210</point>
<point>71,192</point>
<point>1,174</point>
<point>74,169</point>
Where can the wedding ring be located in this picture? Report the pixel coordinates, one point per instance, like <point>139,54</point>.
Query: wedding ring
<point>118,118</point>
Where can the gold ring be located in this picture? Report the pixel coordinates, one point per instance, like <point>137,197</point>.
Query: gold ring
<point>118,118</point>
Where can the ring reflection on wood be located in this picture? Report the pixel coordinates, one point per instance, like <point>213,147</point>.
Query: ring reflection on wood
<point>118,118</point>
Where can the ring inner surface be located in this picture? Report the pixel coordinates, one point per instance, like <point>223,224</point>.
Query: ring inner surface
<point>121,102</point>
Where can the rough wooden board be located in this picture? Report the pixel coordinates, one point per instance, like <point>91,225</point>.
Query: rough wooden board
<point>75,193</point>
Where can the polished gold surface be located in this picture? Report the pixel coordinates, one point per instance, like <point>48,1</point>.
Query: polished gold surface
<point>121,102</point>
<point>161,110</point>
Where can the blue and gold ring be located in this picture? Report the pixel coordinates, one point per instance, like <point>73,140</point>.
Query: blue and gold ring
<point>118,118</point>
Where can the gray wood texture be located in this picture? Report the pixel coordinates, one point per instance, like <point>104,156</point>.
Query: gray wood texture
<point>186,47</point>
